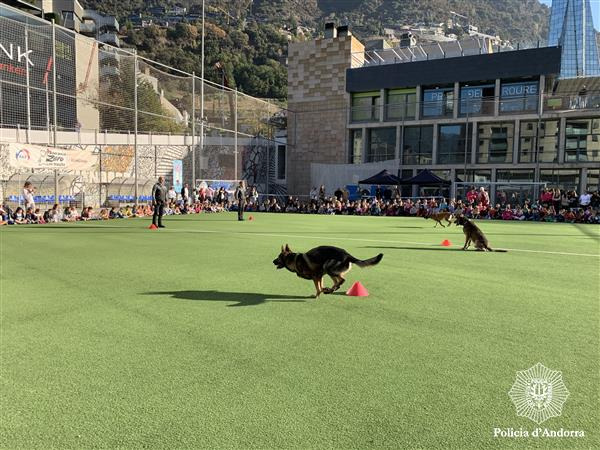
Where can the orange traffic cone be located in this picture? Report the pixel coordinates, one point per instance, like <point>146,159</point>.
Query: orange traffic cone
<point>446,243</point>
<point>357,290</point>
<point>153,227</point>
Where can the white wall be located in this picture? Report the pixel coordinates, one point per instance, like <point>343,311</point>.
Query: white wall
<point>339,175</point>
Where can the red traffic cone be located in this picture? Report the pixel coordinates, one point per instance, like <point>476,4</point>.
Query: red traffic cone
<point>446,243</point>
<point>357,290</point>
<point>250,218</point>
<point>153,227</point>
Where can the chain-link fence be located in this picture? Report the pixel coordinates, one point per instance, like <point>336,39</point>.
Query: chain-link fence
<point>62,89</point>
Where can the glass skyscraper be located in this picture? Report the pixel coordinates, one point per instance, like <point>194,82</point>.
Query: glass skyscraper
<point>571,27</point>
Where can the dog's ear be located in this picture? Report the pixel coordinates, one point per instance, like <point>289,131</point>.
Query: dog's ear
<point>282,249</point>
<point>287,248</point>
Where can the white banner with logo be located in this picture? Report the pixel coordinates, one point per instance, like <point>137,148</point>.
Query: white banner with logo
<point>30,156</point>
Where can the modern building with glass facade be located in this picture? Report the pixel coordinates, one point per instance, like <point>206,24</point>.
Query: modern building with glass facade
<point>492,118</point>
<point>572,28</point>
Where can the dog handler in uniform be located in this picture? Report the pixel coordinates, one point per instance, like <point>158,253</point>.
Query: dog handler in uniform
<point>240,195</point>
<point>159,198</point>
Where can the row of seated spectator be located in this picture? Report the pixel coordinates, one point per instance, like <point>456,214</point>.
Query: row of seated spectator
<point>21,216</point>
<point>534,211</point>
<point>475,206</point>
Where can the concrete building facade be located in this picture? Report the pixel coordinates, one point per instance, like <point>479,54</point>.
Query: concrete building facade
<point>317,89</point>
<point>486,118</point>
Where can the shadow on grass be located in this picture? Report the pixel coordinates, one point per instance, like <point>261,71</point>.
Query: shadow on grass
<point>240,298</point>
<point>441,249</point>
<point>586,229</point>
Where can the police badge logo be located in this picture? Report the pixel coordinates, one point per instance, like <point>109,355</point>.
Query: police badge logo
<point>539,393</point>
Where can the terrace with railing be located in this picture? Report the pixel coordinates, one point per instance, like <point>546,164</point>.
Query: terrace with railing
<point>473,45</point>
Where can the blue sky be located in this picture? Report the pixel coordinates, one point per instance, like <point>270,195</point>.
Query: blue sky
<point>595,4</point>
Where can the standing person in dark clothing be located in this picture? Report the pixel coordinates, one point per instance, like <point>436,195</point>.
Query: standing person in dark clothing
<point>240,196</point>
<point>185,194</point>
<point>159,198</point>
<point>338,194</point>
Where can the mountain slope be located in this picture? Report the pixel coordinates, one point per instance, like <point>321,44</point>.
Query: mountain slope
<point>246,44</point>
<point>515,20</point>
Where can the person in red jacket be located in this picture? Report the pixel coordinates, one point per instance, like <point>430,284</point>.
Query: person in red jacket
<point>471,195</point>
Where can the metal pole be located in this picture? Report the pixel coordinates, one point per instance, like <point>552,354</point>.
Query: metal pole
<point>235,136</point>
<point>135,127</point>
<point>536,172</point>
<point>193,130</point>
<point>54,108</point>
<point>466,155</point>
<point>202,94</point>
<point>27,83</point>
<point>18,189</point>
<point>268,166</point>
<point>47,112</point>
<point>100,177</point>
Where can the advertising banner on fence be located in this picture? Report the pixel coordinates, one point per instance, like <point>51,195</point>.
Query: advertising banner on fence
<point>30,156</point>
<point>177,174</point>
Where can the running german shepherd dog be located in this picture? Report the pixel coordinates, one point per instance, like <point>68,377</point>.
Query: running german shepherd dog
<point>321,261</point>
<point>475,235</point>
<point>438,217</point>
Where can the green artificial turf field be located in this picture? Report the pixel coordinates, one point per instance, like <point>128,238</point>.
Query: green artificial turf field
<point>117,336</point>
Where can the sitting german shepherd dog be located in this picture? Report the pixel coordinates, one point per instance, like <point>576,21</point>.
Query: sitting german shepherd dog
<point>438,217</point>
<point>475,235</point>
<point>321,261</point>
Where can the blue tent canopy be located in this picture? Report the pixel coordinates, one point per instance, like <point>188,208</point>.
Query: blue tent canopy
<point>425,178</point>
<point>384,178</point>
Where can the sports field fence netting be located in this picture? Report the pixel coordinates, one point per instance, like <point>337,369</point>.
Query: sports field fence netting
<point>133,115</point>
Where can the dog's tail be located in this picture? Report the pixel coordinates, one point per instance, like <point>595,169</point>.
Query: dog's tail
<point>367,262</point>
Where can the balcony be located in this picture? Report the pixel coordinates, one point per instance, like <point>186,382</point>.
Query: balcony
<point>88,28</point>
<point>470,46</point>
<point>109,71</point>
<point>106,23</point>
<point>110,38</point>
<point>527,104</point>
<point>109,57</point>
<point>365,114</point>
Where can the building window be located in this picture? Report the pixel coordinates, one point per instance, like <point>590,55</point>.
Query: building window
<point>382,144</point>
<point>356,146</point>
<point>281,162</point>
<point>547,142</point>
<point>68,15</point>
<point>438,102</point>
<point>477,176</point>
<point>365,106</point>
<point>565,179</point>
<point>519,97</point>
<point>401,104</point>
<point>474,176</point>
<point>582,140</point>
<point>593,180</point>
<point>417,145</point>
<point>406,189</point>
<point>454,144</point>
<point>512,192</point>
<point>495,142</point>
<point>477,100</point>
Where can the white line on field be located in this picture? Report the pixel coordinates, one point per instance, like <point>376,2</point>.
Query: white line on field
<point>371,240</point>
<point>348,239</point>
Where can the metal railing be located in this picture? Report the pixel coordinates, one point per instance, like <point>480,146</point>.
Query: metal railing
<point>477,107</point>
<point>436,50</point>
